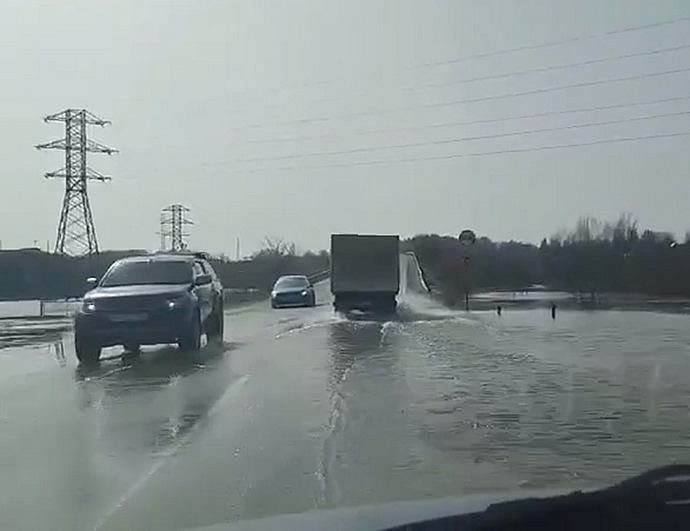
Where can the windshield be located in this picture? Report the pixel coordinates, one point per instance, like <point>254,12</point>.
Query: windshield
<point>148,272</point>
<point>291,282</point>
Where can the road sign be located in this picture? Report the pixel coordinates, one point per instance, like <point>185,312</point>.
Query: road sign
<point>467,237</point>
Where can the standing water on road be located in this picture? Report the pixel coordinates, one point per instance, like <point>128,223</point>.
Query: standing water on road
<point>442,402</point>
<point>304,409</point>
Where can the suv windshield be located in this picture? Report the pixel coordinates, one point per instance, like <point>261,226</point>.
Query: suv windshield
<point>148,272</point>
<point>292,282</point>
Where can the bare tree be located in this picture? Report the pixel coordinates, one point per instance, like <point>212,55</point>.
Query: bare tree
<point>587,229</point>
<point>276,247</point>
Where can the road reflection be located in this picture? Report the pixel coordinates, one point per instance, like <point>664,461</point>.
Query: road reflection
<point>149,367</point>
<point>349,341</point>
<point>27,332</point>
<point>59,351</point>
<point>149,402</point>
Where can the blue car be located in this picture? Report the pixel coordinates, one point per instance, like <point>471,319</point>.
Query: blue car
<point>293,290</point>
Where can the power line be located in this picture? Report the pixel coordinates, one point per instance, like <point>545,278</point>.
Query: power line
<point>556,43</point>
<point>467,138</point>
<point>529,71</point>
<point>475,100</point>
<point>504,51</point>
<point>476,154</point>
<point>475,122</point>
<point>549,68</point>
<point>561,87</point>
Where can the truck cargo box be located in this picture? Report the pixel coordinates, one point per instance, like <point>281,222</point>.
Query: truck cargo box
<point>365,271</point>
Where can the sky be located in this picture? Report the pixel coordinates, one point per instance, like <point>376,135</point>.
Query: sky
<point>295,119</point>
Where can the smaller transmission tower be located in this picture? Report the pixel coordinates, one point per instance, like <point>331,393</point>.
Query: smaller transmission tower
<point>76,234</point>
<point>173,220</point>
<point>163,232</point>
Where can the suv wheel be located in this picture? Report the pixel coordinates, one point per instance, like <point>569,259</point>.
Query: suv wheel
<point>86,351</point>
<point>217,325</point>
<point>221,324</point>
<point>191,337</point>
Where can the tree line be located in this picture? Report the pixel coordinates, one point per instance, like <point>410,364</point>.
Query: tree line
<point>594,257</point>
<point>28,274</point>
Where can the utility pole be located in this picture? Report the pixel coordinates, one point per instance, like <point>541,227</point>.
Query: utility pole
<point>174,219</point>
<point>76,234</point>
<point>237,250</point>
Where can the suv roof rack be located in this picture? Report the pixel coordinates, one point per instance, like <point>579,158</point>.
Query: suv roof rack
<point>202,255</point>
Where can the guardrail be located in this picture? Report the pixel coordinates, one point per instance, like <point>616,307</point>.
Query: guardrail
<point>59,308</point>
<point>319,276</point>
<point>66,308</point>
<point>38,309</point>
<point>237,296</point>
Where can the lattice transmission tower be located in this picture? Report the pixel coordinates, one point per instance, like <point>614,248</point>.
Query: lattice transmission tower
<point>164,231</point>
<point>76,234</point>
<point>173,221</point>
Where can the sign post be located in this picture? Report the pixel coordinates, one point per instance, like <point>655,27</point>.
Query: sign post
<point>467,239</point>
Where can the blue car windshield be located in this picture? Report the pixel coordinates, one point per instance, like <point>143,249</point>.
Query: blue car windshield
<point>291,283</point>
<point>148,272</point>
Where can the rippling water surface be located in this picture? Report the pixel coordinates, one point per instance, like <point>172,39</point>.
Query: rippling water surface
<point>477,402</point>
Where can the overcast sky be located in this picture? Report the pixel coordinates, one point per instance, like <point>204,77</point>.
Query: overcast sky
<point>280,118</point>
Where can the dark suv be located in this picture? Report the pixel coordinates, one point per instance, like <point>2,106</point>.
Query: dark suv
<point>147,300</point>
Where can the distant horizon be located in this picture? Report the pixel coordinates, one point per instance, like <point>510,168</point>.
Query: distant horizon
<point>300,250</point>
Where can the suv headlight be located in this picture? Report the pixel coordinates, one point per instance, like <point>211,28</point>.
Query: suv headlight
<point>88,306</point>
<point>305,293</point>
<point>177,302</point>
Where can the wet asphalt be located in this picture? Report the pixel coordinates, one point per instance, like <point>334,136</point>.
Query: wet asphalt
<point>83,448</point>
<point>303,409</point>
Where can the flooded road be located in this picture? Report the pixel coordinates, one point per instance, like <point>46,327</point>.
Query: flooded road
<point>302,409</point>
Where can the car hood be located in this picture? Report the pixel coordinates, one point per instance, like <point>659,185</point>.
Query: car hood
<point>650,500</point>
<point>377,517</point>
<point>138,290</point>
<point>288,291</point>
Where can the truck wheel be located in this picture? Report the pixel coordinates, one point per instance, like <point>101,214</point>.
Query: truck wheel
<point>86,351</point>
<point>190,340</point>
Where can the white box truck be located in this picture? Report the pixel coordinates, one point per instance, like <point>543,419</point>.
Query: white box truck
<point>365,272</point>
